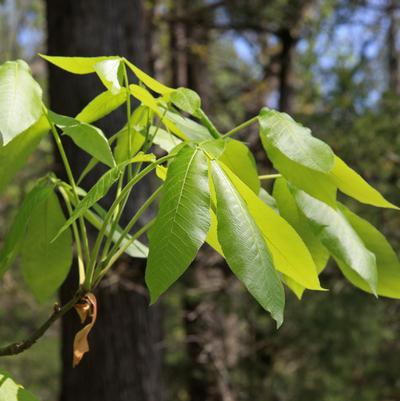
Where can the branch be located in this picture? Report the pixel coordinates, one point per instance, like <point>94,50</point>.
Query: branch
<point>18,347</point>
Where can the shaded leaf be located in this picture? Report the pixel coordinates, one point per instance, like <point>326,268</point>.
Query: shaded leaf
<point>88,137</point>
<point>45,263</point>
<point>15,154</point>
<point>244,247</point>
<point>15,235</point>
<point>182,221</point>
<point>20,100</point>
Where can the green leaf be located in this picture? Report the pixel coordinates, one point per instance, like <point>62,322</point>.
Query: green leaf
<point>294,141</point>
<point>148,80</point>
<point>110,74</point>
<point>240,160</point>
<point>15,154</point>
<point>186,99</point>
<point>101,106</point>
<point>318,185</point>
<point>244,247</point>
<point>11,391</point>
<point>20,100</point>
<point>164,139</point>
<point>290,212</point>
<point>88,137</point>
<point>290,254</point>
<point>352,184</point>
<point>190,128</point>
<point>338,236</point>
<point>148,100</point>
<point>182,221</point>
<point>14,237</point>
<point>387,262</point>
<point>95,193</point>
<point>76,65</point>
<point>45,263</point>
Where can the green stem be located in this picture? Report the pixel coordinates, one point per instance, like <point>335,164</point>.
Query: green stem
<point>208,123</point>
<point>240,127</point>
<point>122,250</point>
<point>269,176</point>
<point>125,191</point>
<point>75,231</point>
<point>71,180</point>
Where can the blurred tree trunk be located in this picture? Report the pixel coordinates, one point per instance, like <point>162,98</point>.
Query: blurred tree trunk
<point>125,362</point>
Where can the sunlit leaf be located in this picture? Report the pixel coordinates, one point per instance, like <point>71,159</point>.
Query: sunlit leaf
<point>101,106</point>
<point>20,100</point>
<point>240,160</point>
<point>109,73</point>
<point>294,141</point>
<point>338,236</point>
<point>387,261</point>
<point>186,99</point>
<point>11,391</point>
<point>288,250</point>
<point>76,65</point>
<point>148,80</point>
<point>352,184</point>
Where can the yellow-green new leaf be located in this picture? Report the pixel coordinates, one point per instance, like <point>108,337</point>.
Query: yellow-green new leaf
<point>45,263</point>
<point>76,65</point>
<point>11,391</point>
<point>291,256</point>
<point>352,184</point>
<point>101,106</point>
<point>110,74</point>
<point>20,100</point>
<point>240,160</point>
<point>182,221</point>
<point>338,236</point>
<point>150,82</point>
<point>244,246</point>
<point>387,261</point>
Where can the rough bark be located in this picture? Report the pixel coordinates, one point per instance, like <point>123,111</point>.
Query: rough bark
<point>125,361</point>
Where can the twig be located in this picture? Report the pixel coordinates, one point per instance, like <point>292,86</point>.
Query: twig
<point>18,347</point>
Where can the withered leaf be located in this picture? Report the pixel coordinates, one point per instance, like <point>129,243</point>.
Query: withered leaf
<point>86,308</point>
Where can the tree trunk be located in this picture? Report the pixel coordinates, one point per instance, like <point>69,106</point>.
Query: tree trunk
<point>125,361</point>
<point>393,57</point>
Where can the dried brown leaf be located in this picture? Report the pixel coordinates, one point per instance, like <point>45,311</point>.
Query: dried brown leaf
<point>86,308</point>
